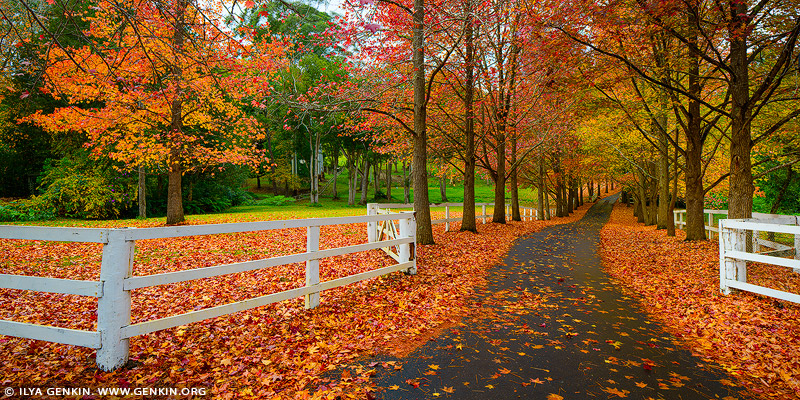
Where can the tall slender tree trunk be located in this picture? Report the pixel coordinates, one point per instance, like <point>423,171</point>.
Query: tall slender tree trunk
<point>695,224</point>
<point>468,222</point>
<point>351,181</point>
<point>389,165</point>
<point>365,180</point>
<point>420,158</point>
<point>560,209</point>
<point>515,214</point>
<point>546,200</point>
<point>376,182</point>
<point>499,214</point>
<point>540,190</point>
<point>664,215</point>
<point>174,196</point>
<point>740,196</point>
<point>142,198</point>
<point>443,188</point>
<point>674,196</point>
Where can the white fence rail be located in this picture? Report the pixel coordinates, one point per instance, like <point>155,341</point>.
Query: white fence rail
<point>527,213</point>
<point>387,231</point>
<point>114,328</point>
<point>739,244</point>
<point>679,217</point>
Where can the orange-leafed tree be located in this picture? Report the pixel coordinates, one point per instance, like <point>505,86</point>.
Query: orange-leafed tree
<point>159,83</point>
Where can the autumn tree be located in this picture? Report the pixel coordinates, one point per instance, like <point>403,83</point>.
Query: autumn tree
<point>158,82</point>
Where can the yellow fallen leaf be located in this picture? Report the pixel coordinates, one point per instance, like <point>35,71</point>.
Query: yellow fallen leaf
<point>433,367</point>
<point>448,389</point>
<point>553,396</point>
<point>394,387</point>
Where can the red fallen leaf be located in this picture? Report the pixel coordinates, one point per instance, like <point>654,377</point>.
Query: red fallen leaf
<point>413,382</point>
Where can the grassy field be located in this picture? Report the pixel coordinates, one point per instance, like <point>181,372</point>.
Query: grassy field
<point>484,192</point>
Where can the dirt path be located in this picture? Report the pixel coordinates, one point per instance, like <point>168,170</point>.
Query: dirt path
<point>551,325</point>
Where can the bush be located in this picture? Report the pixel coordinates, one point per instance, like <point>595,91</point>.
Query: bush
<point>20,211</point>
<point>79,187</point>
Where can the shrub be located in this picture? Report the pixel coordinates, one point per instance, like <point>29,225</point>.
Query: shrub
<point>24,211</point>
<point>78,187</point>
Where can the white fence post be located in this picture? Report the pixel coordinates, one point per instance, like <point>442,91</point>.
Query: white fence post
<point>408,229</point>
<point>446,218</point>
<point>312,266</point>
<point>797,246</point>
<point>725,265</point>
<point>114,306</point>
<point>483,208</point>
<point>740,244</point>
<point>372,227</point>
<point>710,225</point>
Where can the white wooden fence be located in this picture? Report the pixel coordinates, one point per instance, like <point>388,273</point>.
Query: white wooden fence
<point>386,230</point>
<point>679,217</point>
<point>739,243</point>
<point>113,290</point>
<point>528,213</point>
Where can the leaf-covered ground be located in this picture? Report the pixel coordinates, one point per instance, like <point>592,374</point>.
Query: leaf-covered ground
<point>754,337</point>
<point>276,351</point>
<point>550,324</point>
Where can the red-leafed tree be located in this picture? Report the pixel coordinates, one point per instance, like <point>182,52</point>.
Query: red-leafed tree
<point>158,83</point>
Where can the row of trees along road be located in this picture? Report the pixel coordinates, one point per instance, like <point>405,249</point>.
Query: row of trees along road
<point>697,81</point>
<point>498,88</point>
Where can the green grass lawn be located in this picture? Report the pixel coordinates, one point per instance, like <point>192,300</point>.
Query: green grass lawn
<point>484,192</point>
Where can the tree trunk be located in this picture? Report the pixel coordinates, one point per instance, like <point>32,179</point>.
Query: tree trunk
<point>443,188</point>
<point>499,214</point>
<point>740,196</point>
<point>664,215</point>
<point>389,179</point>
<point>559,201</point>
<point>540,190</point>
<point>674,196</point>
<point>468,222</point>
<point>376,182</point>
<point>420,158</point>
<point>565,194</point>
<point>351,182</point>
<point>546,200</point>
<point>515,214</point>
<point>142,199</point>
<point>364,180</point>
<point>174,196</point>
<point>695,224</point>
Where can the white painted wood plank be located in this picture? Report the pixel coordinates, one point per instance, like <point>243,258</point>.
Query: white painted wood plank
<point>51,285</point>
<point>212,229</point>
<point>774,245</point>
<point>761,226</point>
<point>784,262</point>
<point>195,316</point>
<point>50,333</point>
<point>138,282</point>
<point>52,233</point>
<point>778,294</point>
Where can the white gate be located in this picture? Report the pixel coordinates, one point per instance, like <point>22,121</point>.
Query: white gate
<point>740,241</point>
